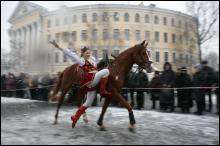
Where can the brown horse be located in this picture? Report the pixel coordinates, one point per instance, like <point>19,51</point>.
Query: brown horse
<point>118,70</point>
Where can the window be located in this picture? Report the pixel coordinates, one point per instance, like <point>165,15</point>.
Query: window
<point>172,22</point>
<point>174,57</point>
<point>173,38</point>
<point>137,17</point>
<point>181,39</point>
<point>94,34</point>
<point>56,57</point>
<point>116,34</point>
<point>66,36</point>
<point>147,35</point>
<point>180,24</point>
<point>157,36</point>
<point>138,35</point>
<point>57,37</point>
<point>157,56</point>
<point>74,36</point>
<point>166,57</point>
<point>84,17</point>
<point>127,34</point>
<point>105,16</point>
<point>165,37</point>
<point>65,22</point>
<point>95,53</point>
<point>164,21</point>
<point>105,34</point>
<point>74,19</point>
<point>94,17</point>
<point>147,19</point>
<point>126,17</point>
<point>156,20</point>
<point>57,22</point>
<point>48,38</point>
<point>48,23</point>
<point>116,16</point>
<point>115,52</point>
<point>84,35</point>
<point>64,58</point>
<point>105,53</point>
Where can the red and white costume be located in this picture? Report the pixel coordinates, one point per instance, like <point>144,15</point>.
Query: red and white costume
<point>91,75</point>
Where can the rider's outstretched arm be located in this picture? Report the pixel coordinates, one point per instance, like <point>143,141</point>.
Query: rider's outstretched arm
<point>71,54</point>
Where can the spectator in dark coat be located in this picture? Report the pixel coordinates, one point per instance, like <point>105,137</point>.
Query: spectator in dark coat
<point>209,76</point>
<point>184,95</point>
<point>141,80</point>
<point>21,84</point>
<point>10,85</point>
<point>3,85</point>
<point>155,93</point>
<point>167,95</point>
<point>199,81</point>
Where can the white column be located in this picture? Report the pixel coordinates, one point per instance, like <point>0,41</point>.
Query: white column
<point>27,46</point>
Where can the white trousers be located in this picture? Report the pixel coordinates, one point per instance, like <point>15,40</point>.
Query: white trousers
<point>90,96</point>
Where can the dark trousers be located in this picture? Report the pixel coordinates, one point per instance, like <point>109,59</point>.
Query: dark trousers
<point>140,99</point>
<point>200,101</point>
<point>209,93</point>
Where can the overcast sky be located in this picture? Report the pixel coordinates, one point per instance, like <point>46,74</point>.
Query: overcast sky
<point>7,8</point>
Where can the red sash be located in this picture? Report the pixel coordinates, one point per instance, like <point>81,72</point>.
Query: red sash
<point>87,77</point>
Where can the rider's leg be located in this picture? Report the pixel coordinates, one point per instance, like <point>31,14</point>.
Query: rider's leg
<point>101,76</point>
<point>89,99</point>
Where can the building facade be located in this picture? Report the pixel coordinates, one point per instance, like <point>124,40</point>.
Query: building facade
<point>106,29</point>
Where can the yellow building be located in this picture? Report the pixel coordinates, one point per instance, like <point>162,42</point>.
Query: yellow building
<point>105,28</point>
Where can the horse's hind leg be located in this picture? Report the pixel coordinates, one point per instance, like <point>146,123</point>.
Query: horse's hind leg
<point>104,108</point>
<point>60,102</point>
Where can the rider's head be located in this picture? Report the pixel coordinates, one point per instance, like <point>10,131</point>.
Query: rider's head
<point>85,52</point>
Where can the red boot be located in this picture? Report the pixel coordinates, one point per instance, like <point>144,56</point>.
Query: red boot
<point>75,117</point>
<point>102,89</point>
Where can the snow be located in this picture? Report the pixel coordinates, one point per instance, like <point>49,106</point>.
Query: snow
<point>6,100</point>
<point>34,126</point>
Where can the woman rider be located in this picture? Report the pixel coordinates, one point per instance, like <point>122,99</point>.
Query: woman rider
<point>91,76</point>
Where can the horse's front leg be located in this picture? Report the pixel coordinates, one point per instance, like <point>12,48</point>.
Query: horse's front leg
<point>104,108</point>
<point>120,99</point>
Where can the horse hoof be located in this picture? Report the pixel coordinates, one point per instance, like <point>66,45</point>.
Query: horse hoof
<point>102,128</point>
<point>73,125</point>
<point>54,123</point>
<point>131,128</point>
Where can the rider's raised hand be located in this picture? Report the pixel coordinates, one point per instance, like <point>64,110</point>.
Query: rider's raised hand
<point>54,43</point>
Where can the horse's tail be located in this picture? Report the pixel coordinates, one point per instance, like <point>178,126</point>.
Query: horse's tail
<point>57,87</point>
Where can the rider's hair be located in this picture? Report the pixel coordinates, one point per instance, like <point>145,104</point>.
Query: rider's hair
<point>83,50</point>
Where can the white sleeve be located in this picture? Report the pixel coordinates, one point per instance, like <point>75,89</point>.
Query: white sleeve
<point>94,60</point>
<point>74,57</point>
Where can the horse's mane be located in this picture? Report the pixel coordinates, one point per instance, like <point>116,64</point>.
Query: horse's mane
<point>126,52</point>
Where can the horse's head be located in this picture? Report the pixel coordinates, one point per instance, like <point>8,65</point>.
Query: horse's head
<point>142,57</point>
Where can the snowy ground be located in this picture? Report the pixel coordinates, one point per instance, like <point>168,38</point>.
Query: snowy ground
<point>31,123</point>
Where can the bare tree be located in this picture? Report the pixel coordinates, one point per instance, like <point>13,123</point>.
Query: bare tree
<point>206,14</point>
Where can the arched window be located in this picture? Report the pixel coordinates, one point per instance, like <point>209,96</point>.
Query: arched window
<point>116,16</point>
<point>105,16</point>
<point>126,17</point>
<point>84,17</point>
<point>156,20</point>
<point>147,19</point>
<point>137,17</point>
<point>94,17</point>
<point>172,22</point>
